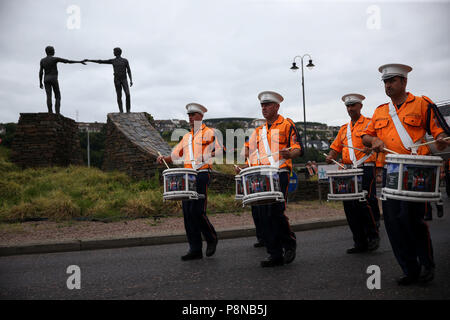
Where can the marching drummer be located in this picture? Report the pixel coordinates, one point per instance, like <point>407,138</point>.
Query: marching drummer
<point>197,148</point>
<point>276,144</point>
<point>361,216</point>
<point>398,126</point>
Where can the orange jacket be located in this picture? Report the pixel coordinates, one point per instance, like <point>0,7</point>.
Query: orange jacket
<point>341,138</point>
<point>281,134</point>
<point>413,116</point>
<point>203,143</point>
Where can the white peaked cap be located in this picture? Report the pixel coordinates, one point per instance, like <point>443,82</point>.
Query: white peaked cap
<point>352,98</point>
<point>195,107</point>
<point>394,69</point>
<point>270,96</point>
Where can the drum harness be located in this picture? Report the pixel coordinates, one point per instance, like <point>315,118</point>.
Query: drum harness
<point>407,142</point>
<point>192,159</point>
<point>269,152</point>
<point>351,151</point>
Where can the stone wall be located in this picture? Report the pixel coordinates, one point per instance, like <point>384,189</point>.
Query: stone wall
<point>132,145</point>
<point>46,139</point>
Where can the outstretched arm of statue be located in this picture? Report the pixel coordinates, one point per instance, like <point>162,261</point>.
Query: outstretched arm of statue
<point>98,61</point>
<point>71,61</point>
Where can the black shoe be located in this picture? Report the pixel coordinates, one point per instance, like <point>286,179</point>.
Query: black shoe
<point>356,250</point>
<point>374,244</point>
<point>211,248</point>
<point>258,244</point>
<point>272,262</point>
<point>427,275</point>
<point>407,280</point>
<point>192,256</point>
<point>289,255</point>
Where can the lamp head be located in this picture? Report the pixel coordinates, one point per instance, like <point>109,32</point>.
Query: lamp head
<point>310,65</point>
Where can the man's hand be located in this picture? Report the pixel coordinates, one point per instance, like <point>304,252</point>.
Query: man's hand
<point>441,144</point>
<point>286,154</point>
<point>377,145</point>
<point>159,160</point>
<point>131,83</point>
<point>367,150</point>
<point>41,86</point>
<point>237,169</point>
<point>329,159</point>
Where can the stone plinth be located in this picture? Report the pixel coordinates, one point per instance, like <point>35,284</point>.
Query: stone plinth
<point>46,139</point>
<point>132,145</point>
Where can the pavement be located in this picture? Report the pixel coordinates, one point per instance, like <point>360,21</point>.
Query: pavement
<point>143,240</point>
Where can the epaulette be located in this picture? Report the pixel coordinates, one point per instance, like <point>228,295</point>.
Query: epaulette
<point>381,105</point>
<point>427,99</point>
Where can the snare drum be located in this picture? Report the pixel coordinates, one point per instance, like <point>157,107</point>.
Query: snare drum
<point>346,185</point>
<point>412,178</point>
<point>261,185</point>
<point>239,187</point>
<point>180,184</point>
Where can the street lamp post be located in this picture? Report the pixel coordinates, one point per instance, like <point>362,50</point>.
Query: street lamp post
<point>294,68</point>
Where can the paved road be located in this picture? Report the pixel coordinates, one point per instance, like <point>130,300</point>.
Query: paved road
<point>322,270</point>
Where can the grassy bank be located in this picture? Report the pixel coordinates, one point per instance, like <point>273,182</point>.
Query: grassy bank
<point>88,193</point>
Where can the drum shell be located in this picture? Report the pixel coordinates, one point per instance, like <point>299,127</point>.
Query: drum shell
<point>261,185</point>
<point>350,180</point>
<point>180,184</point>
<point>239,187</point>
<point>412,178</point>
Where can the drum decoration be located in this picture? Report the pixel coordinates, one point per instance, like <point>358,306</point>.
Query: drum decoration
<point>346,185</point>
<point>239,187</point>
<point>261,185</point>
<point>180,184</point>
<point>412,178</point>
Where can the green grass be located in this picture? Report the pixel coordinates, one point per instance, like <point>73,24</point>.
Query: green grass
<point>62,194</point>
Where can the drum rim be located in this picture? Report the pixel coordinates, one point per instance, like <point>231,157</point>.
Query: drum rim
<point>257,168</point>
<point>406,157</point>
<point>179,170</point>
<point>345,172</point>
<point>411,193</point>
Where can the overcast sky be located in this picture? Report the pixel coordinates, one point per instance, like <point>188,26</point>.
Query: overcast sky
<point>221,54</point>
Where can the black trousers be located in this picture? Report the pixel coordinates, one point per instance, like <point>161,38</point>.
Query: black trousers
<point>49,85</point>
<point>369,183</point>
<point>196,222</point>
<point>277,231</point>
<point>119,84</point>
<point>256,214</point>
<point>360,214</point>
<point>408,234</point>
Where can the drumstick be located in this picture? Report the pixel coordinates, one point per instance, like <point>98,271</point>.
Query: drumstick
<point>274,153</point>
<point>340,165</point>
<point>353,148</point>
<point>386,149</point>
<point>163,159</point>
<point>430,142</point>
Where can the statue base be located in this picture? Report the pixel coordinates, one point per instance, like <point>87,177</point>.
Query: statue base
<point>44,140</point>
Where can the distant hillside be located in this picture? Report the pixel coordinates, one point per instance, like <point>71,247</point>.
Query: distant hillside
<point>217,120</point>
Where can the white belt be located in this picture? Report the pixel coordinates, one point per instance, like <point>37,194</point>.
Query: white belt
<point>407,142</point>
<point>356,163</point>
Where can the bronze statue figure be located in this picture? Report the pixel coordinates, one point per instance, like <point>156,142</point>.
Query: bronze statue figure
<point>48,65</point>
<point>121,68</point>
